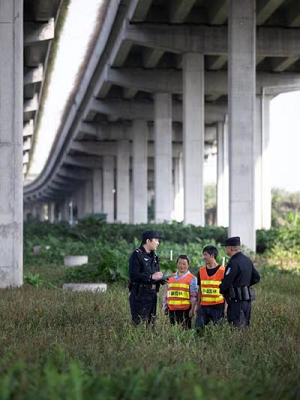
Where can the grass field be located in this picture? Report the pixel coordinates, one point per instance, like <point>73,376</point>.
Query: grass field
<point>65,345</point>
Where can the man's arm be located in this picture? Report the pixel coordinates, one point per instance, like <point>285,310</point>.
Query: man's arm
<point>134,270</point>
<point>136,275</point>
<point>255,277</point>
<point>229,277</point>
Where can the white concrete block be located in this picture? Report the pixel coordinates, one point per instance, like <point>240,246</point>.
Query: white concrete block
<point>75,261</point>
<point>85,287</point>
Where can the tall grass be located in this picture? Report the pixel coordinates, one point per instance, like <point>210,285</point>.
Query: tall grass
<point>64,345</point>
<point>57,344</point>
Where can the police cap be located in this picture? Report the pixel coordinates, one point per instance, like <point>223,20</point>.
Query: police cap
<point>232,241</point>
<point>150,235</point>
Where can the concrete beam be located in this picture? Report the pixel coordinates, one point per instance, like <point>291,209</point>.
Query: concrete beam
<point>210,40</point>
<point>179,10</point>
<point>293,14</point>
<point>218,12</point>
<point>169,80</point>
<point>64,181</point>
<point>166,80</point>
<point>133,109</point>
<point>138,10</point>
<point>43,10</point>
<point>28,129</point>
<point>216,63</point>
<point>59,187</point>
<point>151,57</point>
<point>26,158</point>
<point>121,55</point>
<point>110,148</point>
<point>280,65</point>
<point>83,161</point>
<point>36,33</point>
<point>34,75</point>
<point>78,175</point>
<point>27,144</point>
<point>95,148</point>
<point>31,105</point>
<point>178,38</point>
<point>129,93</point>
<point>265,8</point>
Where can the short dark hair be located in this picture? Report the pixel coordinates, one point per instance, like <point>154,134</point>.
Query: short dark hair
<point>150,235</point>
<point>211,250</point>
<point>183,257</point>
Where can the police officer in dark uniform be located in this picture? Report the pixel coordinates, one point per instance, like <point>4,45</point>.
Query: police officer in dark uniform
<point>240,275</point>
<point>145,279</point>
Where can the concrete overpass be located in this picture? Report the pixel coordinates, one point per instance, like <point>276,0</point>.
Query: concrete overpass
<point>163,77</point>
<point>163,73</point>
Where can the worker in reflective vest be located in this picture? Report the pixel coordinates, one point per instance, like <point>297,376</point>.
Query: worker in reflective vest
<point>180,296</point>
<point>211,302</point>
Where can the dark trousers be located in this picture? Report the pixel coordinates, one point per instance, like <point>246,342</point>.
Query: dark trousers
<point>239,313</point>
<point>181,317</point>
<point>143,306</point>
<point>206,314</point>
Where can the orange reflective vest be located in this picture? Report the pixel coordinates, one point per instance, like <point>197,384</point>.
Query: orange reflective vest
<point>209,289</point>
<point>178,295</point>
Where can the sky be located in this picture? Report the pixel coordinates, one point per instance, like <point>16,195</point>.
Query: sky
<point>284,112</point>
<point>285,141</point>
<point>73,42</point>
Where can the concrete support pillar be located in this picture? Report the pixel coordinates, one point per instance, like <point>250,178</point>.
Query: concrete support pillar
<point>88,198</point>
<point>108,187</point>
<point>263,197</point>
<point>51,212</point>
<point>97,191</point>
<point>266,164</point>
<point>123,181</point>
<point>40,215</point>
<point>65,209</point>
<point>11,143</point>
<point>258,163</point>
<point>193,138</point>
<point>178,190</point>
<point>26,211</point>
<point>139,171</point>
<point>241,108</point>
<point>71,211</point>
<point>80,202</point>
<point>163,156</point>
<point>34,211</point>
<point>222,174</point>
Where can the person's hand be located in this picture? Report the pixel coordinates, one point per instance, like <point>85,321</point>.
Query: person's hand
<point>166,311</point>
<point>157,275</point>
<point>225,309</point>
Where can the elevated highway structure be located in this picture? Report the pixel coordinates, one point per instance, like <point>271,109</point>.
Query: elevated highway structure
<point>163,77</point>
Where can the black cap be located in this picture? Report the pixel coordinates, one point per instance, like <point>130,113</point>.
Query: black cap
<point>232,241</point>
<point>150,235</point>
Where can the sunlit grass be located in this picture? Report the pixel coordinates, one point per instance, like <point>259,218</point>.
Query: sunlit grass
<point>52,338</point>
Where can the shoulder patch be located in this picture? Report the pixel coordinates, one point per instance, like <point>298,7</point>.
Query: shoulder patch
<point>228,271</point>
<point>138,250</point>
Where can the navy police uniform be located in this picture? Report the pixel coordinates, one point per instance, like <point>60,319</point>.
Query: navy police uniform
<point>240,275</point>
<point>143,290</point>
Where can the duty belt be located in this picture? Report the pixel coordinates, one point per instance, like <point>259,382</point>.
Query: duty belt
<point>147,286</point>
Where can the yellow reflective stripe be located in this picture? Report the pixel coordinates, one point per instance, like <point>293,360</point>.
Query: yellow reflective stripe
<point>211,299</point>
<point>210,290</point>
<point>178,293</point>
<point>178,302</point>
<point>211,282</point>
<point>175,285</point>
